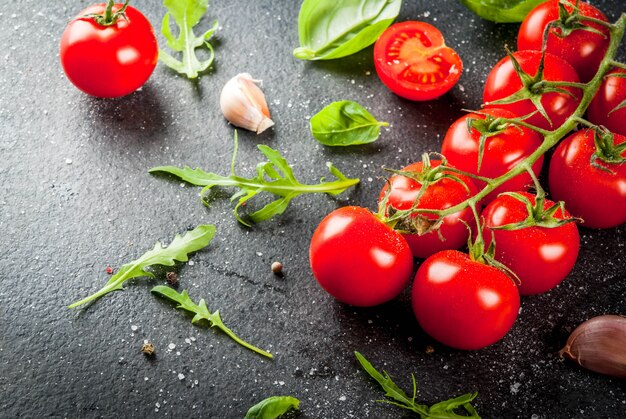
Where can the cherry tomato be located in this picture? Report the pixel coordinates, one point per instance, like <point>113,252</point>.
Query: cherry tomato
<point>442,194</point>
<point>582,48</point>
<point>610,95</point>
<point>541,257</point>
<point>503,81</point>
<point>359,260</point>
<point>109,61</point>
<point>413,61</point>
<point>462,303</point>
<point>503,151</point>
<point>595,195</point>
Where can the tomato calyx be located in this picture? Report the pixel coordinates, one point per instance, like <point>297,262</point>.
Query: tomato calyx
<point>606,150</point>
<point>109,18</point>
<point>491,126</point>
<point>535,86</point>
<point>487,256</point>
<point>414,219</point>
<point>538,215</point>
<point>570,21</point>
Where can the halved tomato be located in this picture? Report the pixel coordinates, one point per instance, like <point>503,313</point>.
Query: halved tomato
<point>413,61</point>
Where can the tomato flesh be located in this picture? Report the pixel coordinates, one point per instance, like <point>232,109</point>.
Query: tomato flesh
<point>412,60</point>
<point>109,61</point>
<point>440,195</point>
<point>462,303</point>
<point>359,260</point>
<point>595,195</point>
<point>541,257</point>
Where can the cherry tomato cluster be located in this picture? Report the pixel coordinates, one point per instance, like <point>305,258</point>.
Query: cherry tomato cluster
<point>519,243</point>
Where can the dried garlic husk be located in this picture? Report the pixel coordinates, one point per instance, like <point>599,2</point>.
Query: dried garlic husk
<point>243,104</point>
<point>599,344</point>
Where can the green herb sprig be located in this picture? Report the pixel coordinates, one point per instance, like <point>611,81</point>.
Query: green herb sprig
<point>201,312</point>
<point>345,123</point>
<point>275,177</point>
<point>330,29</point>
<point>177,251</point>
<point>442,410</point>
<point>186,14</point>
<point>272,407</point>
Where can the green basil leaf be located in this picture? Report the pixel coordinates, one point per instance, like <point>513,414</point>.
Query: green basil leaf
<point>345,123</point>
<point>331,29</point>
<point>502,11</point>
<point>272,407</point>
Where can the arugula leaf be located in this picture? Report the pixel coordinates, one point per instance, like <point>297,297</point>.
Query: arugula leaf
<point>177,250</point>
<point>501,11</point>
<point>275,177</point>
<point>330,29</point>
<point>345,123</point>
<point>202,313</point>
<point>442,410</point>
<point>186,14</point>
<point>272,407</point>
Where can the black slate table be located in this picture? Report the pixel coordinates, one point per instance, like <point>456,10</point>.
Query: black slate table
<point>76,197</point>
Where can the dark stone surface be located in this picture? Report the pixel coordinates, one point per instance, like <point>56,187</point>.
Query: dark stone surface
<point>76,197</point>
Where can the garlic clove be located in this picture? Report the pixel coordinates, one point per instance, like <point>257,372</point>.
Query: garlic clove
<point>243,104</point>
<point>599,345</point>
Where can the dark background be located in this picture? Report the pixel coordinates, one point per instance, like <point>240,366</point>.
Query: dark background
<point>75,197</point>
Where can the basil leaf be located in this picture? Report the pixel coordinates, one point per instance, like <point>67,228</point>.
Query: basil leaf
<point>272,407</point>
<point>345,123</point>
<point>502,11</point>
<point>331,29</point>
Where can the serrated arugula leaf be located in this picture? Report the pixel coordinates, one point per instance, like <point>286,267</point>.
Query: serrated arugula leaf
<point>501,11</point>
<point>186,14</point>
<point>274,176</point>
<point>177,251</point>
<point>330,29</point>
<point>345,123</point>
<point>272,407</point>
<point>442,410</point>
<point>201,312</point>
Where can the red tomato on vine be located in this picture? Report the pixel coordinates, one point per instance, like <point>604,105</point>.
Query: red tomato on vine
<point>580,42</point>
<point>540,256</point>
<point>443,193</point>
<point>593,189</point>
<point>504,81</point>
<point>505,146</point>
<point>608,105</point>
<point>463,303</point>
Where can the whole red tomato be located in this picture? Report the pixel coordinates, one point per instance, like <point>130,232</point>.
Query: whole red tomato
<point>442,194</point>
<point>541,257</point>
<point>602,110</point>
<point>503,81</point>
<point>462,303</point>
<point>581,48</point>
<point>597,196</point>
<point>503,150</point>
<point>109,60</point>
<point>413,61</point>
<point>359,260</point>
